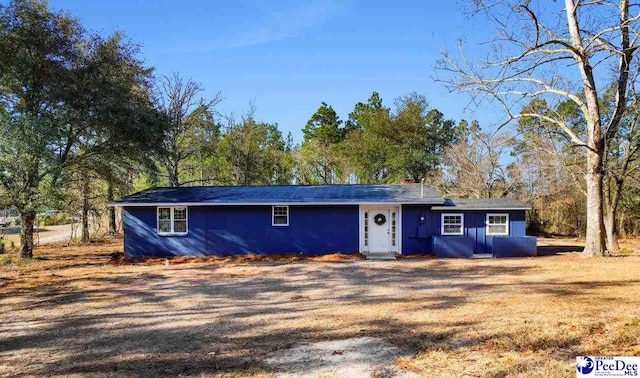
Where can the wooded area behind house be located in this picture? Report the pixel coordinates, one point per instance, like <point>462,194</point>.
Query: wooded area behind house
<point>84,120</point>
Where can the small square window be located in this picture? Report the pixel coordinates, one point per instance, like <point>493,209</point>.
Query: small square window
<point>497,224</point>
<point>164,225</point>
<point>452,224</point>
<point>164,213</point>
<point>172,220</point>
<point>280,216</point>
<point>180,226</point>
<point>180,213</point>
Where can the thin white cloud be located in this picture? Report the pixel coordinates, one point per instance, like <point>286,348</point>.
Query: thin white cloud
<point>269,23</point>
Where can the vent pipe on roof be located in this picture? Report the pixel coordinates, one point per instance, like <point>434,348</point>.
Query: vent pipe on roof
<point>422,188</point>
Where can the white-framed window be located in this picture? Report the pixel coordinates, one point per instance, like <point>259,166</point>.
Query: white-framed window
<point>280,215</point>
<point>497,224</point>
<point>172,220</point>
<point>452,224</point>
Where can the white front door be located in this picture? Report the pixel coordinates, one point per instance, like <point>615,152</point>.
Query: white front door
<point>379,231</point>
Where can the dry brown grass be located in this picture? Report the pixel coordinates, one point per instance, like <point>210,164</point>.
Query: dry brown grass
<point>73,312</point>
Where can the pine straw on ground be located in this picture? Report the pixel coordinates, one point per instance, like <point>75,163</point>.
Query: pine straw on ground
<point>237,259</point>
<point>71,311</point>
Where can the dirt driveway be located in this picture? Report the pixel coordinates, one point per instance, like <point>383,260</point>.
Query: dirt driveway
<point>74,313</point>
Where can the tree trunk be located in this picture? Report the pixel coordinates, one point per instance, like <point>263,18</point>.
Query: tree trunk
<point>85,211</point>
<point>201,169</point>
<point>611,215</point>
<point>594,245</point>
<point>612,231</point>
<point>174,180</point>
<point>27,219</point>
<point>620,227</point>
<point>111,210</point>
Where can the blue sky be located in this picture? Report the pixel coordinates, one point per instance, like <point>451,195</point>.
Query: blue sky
<point>288,56</point>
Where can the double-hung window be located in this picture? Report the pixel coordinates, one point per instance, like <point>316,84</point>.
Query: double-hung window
<point>452,224</point>
<point>172,220</point>
<point>497,224</point>
<point>280,216</point>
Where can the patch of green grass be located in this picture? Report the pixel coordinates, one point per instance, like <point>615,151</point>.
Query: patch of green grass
<point>13,260</point>
<point>6,260</point>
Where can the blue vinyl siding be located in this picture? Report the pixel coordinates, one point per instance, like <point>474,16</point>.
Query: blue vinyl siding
<point>141,238</point>
<point>453,246</point>
<point>514,246</point>
<point>474,228</point>
<point>230,230</point>
<point>312,230</point>
<point>416,236</point>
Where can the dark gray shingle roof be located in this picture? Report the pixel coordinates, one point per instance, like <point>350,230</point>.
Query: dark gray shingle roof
<point>484,204</point>
<point>342,194</point>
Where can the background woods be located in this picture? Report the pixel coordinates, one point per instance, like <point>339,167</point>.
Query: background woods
<point>570,52</point>
<point>84,120</point>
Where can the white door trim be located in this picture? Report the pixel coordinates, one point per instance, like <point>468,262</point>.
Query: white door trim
<point>398,210</point>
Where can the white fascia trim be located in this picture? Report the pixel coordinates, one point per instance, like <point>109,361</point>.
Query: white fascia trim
<point>169,204</point>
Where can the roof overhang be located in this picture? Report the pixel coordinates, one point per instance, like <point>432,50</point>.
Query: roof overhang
<point>453,208</point>
<point>156,204</point>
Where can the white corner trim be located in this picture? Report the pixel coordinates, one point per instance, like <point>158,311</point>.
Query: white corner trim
<point>442,232</point>
<point>399,229</point>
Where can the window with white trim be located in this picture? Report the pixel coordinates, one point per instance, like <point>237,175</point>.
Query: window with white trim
<point>497,224</point>
<point>172,220</point>
<point>280,216</point>
<point>452,224</point>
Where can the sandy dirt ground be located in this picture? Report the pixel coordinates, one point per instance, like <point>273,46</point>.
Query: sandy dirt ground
<point>73,312</point>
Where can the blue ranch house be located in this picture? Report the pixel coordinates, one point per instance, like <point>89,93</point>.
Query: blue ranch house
<point>375,220</point>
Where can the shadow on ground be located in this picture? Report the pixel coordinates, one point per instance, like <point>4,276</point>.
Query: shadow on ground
<point>208,318</point>
<point>551,250</point>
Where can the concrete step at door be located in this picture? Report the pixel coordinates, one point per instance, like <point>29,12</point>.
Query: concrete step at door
<point>381,256</point>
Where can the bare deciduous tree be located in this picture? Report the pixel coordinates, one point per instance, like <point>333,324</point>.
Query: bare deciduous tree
<point>622,163</point>
<point>545,51</point>
<point>185,112</point>
<point>474,167</point>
